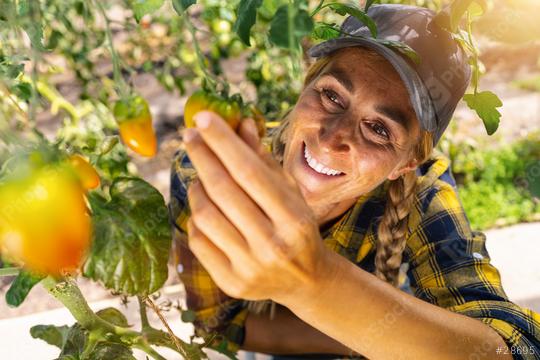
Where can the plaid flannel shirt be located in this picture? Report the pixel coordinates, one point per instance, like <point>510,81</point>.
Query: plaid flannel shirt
<point>445,262</point>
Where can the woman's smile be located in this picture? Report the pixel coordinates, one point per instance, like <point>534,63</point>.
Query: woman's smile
<point>318,166</point>
<point>315,173</point>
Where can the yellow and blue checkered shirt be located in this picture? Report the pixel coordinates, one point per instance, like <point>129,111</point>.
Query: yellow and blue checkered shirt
<point>445,262</point>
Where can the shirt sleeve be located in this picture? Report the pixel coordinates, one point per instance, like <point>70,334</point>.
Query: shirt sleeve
<point>215,312</point>
<point>450,267</point>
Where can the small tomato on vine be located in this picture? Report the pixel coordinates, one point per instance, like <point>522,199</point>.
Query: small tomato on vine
<point>135,124</point>
<point>87,174</point>
<point>228,109</point>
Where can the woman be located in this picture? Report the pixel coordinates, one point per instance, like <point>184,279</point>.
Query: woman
<point>351,195</point>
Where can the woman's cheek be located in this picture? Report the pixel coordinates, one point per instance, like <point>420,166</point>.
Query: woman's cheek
<point>371,170</point>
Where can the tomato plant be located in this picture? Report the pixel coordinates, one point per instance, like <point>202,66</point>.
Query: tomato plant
<point>92,215</point>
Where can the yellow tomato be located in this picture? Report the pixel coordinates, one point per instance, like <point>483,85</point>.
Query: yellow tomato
<point>87,174</point>
<point>135,124</point>
<point>44,223</point>
<point>138,134</point>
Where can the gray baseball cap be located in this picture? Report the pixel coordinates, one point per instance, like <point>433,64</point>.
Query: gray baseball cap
<point>439,77</point>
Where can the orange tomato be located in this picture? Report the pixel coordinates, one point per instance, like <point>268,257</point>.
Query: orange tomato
<point>44,223</point>
<point>229,109</point>
<point>87,174</point>
<point>135,124</point>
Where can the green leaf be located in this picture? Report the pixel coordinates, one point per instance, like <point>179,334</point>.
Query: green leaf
<point>132,238</point>
<point>352,10</point>
<point>12,71</point>
<point>323,31</point>
<point>114,316</point>
<point>485,104</point>
<point>181,5</point>
<point>23,90</point>
<point>246,15</point>
<point>52,335</point>
<point>111,351</point>
<point>450,17</point>
<point>402,48</point>
<point>76,340</point>
<point>143,7</point>
<point>368,4</point>
<point>21,286</point>
<point>302,25</point>
<point>73,340</point>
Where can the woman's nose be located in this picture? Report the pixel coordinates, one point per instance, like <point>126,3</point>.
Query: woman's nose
<point>335,137</point>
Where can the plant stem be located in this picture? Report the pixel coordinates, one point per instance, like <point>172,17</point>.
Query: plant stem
<point>142,311</point>
<point>35,14</point>
<point>317,9</point>
<point>11,271</point>
<point>150,351</point>
<point>69,294</point>
<point>56,99</point>
<point>200,56</point>
<point>5,92</point>
<point>476,68</point>
<point>118,79</point>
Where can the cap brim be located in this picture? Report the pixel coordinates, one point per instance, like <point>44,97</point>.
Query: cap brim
<point>418,93</point>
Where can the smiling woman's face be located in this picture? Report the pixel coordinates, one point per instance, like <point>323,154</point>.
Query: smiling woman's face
<point>352,127</point>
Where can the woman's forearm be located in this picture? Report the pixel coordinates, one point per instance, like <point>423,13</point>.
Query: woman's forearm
<point>285,333</point>
<point>381,322</point>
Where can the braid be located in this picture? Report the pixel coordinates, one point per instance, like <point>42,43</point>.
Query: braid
<point>392,231</point>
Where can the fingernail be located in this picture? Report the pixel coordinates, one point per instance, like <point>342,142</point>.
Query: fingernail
<point>188,135</point>
<point>202,120</point>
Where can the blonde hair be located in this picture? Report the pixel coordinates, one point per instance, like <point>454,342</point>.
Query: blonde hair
<point>392,230</point>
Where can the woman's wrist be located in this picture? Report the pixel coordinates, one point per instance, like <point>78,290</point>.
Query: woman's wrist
<point>308,293</point>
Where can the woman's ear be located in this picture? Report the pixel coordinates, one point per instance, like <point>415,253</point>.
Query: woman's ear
<point>411,165</point>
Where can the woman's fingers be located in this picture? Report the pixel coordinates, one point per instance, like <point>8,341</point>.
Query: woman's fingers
<point>225,193</point>
<point>209,219</point>
<point>210,256</point>
<point>258,180</point>
<point>249,133</point>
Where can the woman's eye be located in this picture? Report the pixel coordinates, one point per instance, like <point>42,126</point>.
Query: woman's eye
<point>332,96</point>
<point>380,130</point>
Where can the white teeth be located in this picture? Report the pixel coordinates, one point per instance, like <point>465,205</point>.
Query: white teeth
<point>317,166</point>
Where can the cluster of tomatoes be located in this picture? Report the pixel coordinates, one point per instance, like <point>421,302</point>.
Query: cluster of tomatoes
<point>45,224</point>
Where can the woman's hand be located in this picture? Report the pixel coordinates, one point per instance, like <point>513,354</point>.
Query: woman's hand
<point>250,226</point>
